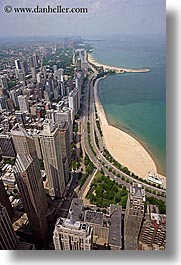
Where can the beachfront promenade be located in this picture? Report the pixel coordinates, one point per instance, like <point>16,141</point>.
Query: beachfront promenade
<point>117,69</point>
<point>99,161</point>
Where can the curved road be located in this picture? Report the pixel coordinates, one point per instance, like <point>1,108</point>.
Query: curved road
<point>99,158</point>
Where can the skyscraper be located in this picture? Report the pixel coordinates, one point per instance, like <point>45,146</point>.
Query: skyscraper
<point>30,184</point>
<point>23,103</point>
<point>14,96</point>
<point>73,102</point>
<point>62,115</point>
<point>17,64</point>
<point>9,105</point>
<point>4,82</point>
<point>52,157</point>
<point>133,216</point>
<point>33,73</point>
<point>24,67</point>
<point>35,60</point>
<point>78,63</point>
<point>21,75</point>
<point>65,148</point>
<point>65,140</point>
<point>8,238</point>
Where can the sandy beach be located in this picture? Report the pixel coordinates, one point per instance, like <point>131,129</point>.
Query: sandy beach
<point>123,147</point>
<point>117,69</point>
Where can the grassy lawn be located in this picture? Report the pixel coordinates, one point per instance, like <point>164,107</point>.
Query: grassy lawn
<point>103,192</point>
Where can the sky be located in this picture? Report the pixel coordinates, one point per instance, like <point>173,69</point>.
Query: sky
<point>104,17</point>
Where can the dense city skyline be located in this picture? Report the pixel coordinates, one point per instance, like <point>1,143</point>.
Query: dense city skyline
<point>67,191</point>
<point>69,178</point>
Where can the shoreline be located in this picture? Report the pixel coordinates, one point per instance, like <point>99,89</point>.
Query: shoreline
<point>134,156</point>
<point>115,68</point>
<point>140,141</point>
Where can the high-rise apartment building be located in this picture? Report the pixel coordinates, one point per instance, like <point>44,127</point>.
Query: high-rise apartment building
<point>23,103</point>
<point>35,60</point>
<point>133,216</point>
<point>17,64</point>
<point>4,82</point>
<point>65,148</point>
<point>4,199</point>
<point>14,96</point>
<point>21,76</point>
<point>78,63</point>
<point>8,238</point>
<point>73,102</point>
<point>24,67</point>
<point>9,105</point>
<point>30,184</point>
<point>72,235</point>
<point>36,139</point>
<point>78,87</point>
<point>61,115</point>
<point>2,103</point>
<point>153,231</point>
<point>23,142</point>
<point>52,156</point>
<point>20,117</point>
<point>65,140</point>
<point>33,73</point>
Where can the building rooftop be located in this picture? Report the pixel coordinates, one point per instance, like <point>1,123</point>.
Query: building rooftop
<point>137,191</point>
<point>72,225</point>
<point>73,93</point>
<point>114,221</point>
<point>63,126</point>
<point>19,131</point>
<point>48,127</point>
<point>153,212</point>
<point>93,217</point>
<point>77,207</point>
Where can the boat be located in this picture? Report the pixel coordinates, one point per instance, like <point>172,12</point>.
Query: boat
<point>154,178</point>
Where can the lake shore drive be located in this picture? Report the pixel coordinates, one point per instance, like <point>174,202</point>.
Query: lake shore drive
<point>123,147</point>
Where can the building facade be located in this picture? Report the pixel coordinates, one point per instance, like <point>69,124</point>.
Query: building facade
<point>73,102</point>
<point>23,103</point>
<point>133,216</point>
<point>6,145</point>
<point>8,238</point>
<point>153,231</point>
<point>30,184</point>
<point>52,157</point>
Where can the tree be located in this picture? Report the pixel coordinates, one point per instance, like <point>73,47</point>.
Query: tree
<point>118,197</point>
<point>41,164</point>
<point>124,201</point>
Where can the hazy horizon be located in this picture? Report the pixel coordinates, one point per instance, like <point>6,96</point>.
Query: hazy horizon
<point>104,18</point>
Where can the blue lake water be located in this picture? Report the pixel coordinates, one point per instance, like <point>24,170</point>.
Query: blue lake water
<point>136,102</point>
